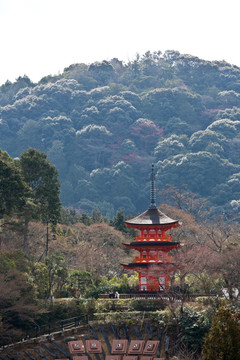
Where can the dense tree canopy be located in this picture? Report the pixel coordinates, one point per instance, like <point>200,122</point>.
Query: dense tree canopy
<point>13,190</point>
<point>42,179</point>
<point>160,107</point>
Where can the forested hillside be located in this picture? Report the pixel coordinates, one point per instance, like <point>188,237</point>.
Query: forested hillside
<point>102,125</point>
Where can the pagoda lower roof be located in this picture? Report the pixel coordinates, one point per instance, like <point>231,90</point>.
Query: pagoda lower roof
<point>152,216</point>
<point>152,243</point>
<point>145,264</point>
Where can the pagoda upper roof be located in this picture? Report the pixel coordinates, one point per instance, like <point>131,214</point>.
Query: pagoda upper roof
<point>152,216</point>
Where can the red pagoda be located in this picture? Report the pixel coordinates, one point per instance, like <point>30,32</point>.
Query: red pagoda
<point>153,263</point>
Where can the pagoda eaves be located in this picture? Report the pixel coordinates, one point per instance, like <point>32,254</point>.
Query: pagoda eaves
<point>152,216</point>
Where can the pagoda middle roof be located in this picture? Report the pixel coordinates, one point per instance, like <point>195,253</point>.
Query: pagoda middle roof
<point>145,264</point>
<point>152,216</point>
<point>152,243</point>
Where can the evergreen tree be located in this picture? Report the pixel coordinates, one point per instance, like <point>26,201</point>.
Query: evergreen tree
<point>118,224</point>
<point>223,340</point>
<point>12,187</point>
<point>44,189</point>
<point>96,216</point>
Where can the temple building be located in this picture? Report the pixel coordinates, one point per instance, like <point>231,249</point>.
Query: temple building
<point>153,264</point>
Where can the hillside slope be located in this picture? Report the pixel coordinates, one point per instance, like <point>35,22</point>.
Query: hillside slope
<point>103,125</point>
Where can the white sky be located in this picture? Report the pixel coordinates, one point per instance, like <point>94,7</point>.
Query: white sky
<point>41,37</point>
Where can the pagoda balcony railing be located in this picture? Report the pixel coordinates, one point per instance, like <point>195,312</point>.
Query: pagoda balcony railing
<point>153,238</point>
<point>153,260</point>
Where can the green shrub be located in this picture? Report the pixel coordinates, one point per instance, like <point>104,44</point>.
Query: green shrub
<point>208,301</point>
<point>115,305</point>
<point>115,317</point>
<point>147,304</point>
<point>107,305</point>
<point>194,325</point>
<point>62,309</point>
<point>165,317</point>
<point>58,294</point>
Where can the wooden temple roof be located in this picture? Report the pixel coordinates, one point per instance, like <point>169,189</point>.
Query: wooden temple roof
<point>152,244</point>
<point>152,216</point>
<point>147,264</point>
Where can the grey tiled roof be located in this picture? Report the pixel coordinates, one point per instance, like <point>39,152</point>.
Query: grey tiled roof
<point>152,243</point>
<point>152,216</point>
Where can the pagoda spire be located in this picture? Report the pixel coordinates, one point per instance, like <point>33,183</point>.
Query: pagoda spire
<point>153,190</point>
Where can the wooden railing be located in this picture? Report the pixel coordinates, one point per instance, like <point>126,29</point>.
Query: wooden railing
<point>153,237</point>
<point>154,260</point>
<point>57,326</point>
